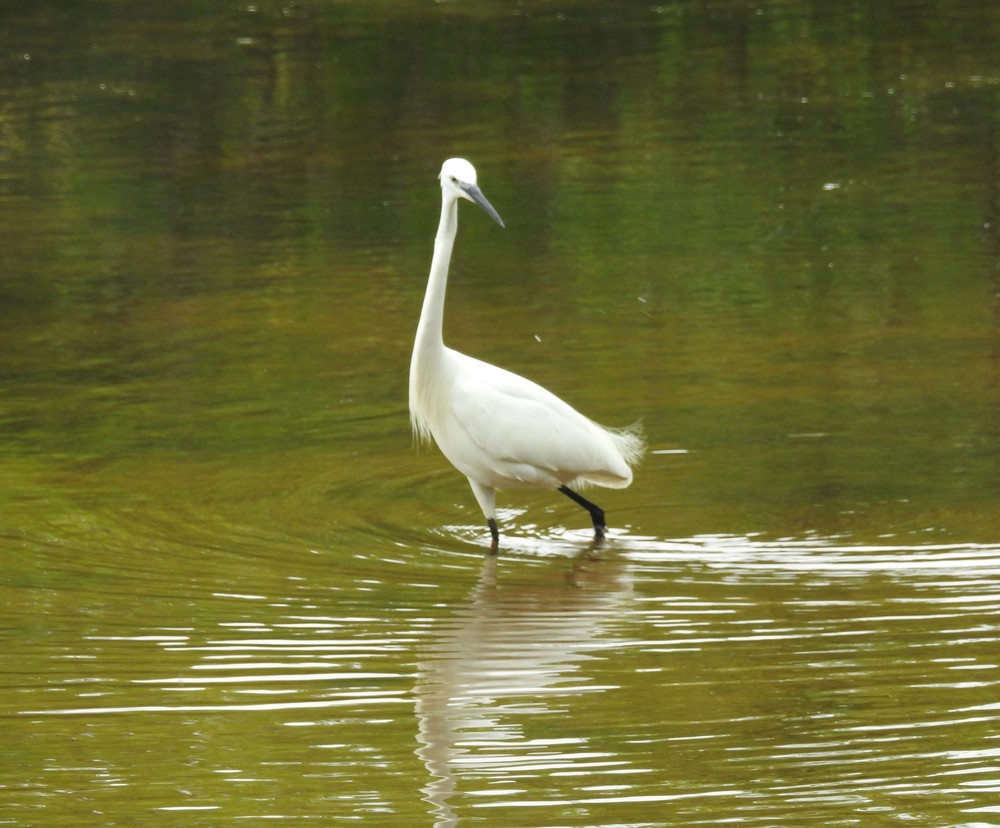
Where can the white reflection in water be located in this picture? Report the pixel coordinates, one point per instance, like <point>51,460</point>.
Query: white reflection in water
<point>749,554</point>
<point>834,667</point>
<point>512,652</point>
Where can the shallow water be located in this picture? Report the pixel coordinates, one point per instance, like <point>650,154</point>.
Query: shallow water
<point>232,590</point>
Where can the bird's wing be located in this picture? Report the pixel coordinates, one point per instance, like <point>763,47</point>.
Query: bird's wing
<point>525,432</point>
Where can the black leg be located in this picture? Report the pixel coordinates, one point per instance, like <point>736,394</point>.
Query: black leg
<point>495,533</point>
<point>596,512</point>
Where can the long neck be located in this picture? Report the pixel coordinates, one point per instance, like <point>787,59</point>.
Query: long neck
<point>429,330</point>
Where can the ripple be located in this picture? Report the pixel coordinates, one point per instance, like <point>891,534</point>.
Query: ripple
<point>362,702</point>
<point>562,674</point>
<point>815,555</point>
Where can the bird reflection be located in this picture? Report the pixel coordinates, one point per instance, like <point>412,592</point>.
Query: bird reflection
<point>507,654</point>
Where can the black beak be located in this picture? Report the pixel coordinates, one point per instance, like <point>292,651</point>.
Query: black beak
<point>476,195</point>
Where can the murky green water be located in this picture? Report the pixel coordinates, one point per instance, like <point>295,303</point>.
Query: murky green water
<point>232,592</point>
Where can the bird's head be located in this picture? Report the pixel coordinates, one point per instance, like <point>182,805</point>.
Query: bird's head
<point>458,178</point>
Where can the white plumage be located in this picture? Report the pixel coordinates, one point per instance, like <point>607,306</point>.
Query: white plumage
<point>499,429</point>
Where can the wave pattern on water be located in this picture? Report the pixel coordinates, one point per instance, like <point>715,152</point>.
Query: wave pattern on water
<point>642,681</point>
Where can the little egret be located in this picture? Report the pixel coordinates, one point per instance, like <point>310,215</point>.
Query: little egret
<point>497,428</point>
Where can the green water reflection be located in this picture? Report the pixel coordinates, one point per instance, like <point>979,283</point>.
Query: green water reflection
<point>768,230</point>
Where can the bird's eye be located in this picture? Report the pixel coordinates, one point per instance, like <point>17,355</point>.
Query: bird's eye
<point>454,180</point>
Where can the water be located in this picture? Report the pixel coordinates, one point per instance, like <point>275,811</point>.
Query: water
<point>232,591</point>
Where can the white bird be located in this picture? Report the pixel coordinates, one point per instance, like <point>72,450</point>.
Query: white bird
<point>500,430</point>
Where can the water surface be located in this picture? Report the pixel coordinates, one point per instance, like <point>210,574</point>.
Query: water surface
<point>232,590</point>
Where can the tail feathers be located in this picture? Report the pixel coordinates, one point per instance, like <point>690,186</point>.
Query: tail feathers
<point>630,441</point>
